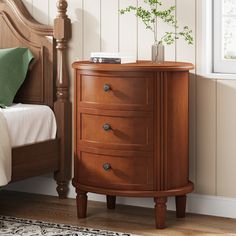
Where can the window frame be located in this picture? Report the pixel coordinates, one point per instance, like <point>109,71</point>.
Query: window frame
<point>219,64</point>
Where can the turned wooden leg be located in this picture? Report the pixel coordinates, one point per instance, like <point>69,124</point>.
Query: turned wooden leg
<point>111,202</point>
<point>180,202</point>
<point>160,212</point>
<point>81,200</point>
<point>62,189</point>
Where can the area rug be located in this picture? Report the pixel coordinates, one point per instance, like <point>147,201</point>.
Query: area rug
<point>22,227</point>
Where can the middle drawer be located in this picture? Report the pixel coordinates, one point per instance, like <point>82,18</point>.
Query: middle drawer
<point>131,132</point>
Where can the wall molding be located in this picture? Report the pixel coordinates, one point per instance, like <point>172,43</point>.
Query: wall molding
<point>212,205</point>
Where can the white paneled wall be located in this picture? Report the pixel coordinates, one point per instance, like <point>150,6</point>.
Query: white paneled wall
<point>91,27</point>
<point>226,138</point>
<point>97,26</point>
<point>206,136</point>
<point>128,30</point>
<point>109,25</point>
<point>145,39</point>
<point>102,28</point>
<point>186,15</point>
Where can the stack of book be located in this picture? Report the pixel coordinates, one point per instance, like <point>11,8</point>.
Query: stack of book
<point>111,58</point>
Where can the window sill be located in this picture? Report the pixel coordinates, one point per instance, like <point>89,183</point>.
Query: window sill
<point>218,76</point>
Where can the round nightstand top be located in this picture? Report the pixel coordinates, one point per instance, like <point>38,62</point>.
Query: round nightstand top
<point>138,66</point>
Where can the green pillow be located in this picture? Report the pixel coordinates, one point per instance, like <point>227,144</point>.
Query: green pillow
<point>14,63</point>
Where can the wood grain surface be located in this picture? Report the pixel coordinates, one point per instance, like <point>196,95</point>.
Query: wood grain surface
<point>124,218</point>
<point>141,65</point>
<point>107,119</point>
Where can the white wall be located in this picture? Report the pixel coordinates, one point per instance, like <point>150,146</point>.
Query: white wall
<point>97,26</point>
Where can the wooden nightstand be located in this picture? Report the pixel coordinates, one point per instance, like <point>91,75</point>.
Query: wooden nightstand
<point>131,133</point>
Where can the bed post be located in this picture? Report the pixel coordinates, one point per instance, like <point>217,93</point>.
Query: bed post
<point>62,105</point>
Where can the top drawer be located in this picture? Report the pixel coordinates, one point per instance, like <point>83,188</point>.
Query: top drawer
<point>132,91</point>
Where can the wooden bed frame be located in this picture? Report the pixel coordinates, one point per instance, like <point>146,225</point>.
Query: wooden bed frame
<point>47,83</point>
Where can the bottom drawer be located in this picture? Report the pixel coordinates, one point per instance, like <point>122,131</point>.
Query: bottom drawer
<point>133,173</point>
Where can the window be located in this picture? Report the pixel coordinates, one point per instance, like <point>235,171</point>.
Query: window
<point>224,36</point>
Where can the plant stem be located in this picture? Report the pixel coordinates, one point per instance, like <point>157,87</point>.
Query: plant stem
<point>155,28</point>
<point>155,31</point>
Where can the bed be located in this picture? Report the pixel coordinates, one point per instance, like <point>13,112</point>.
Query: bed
<point>47,83</point>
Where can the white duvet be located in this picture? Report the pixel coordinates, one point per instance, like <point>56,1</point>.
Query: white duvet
<point>5,152</point>
<point>29,124</point>
<point>22,124</point>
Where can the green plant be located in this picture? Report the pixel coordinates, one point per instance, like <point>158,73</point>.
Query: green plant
<point>152,14</point>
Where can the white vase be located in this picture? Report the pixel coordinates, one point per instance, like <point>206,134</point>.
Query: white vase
<point>158,53</point>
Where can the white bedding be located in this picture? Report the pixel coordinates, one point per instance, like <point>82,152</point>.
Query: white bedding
<point>29,123</point>
<point>5,152</point>
<point>22,124</point>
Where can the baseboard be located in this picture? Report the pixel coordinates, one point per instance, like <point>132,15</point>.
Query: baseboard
<point>212,205</point>
<point>196,203</point>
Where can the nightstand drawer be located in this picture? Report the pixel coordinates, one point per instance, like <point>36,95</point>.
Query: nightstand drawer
<point>116,132</point>
<point>116,92</point>
<point>131,173</point>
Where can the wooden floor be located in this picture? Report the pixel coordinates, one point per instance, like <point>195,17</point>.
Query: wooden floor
<point>129,219</point>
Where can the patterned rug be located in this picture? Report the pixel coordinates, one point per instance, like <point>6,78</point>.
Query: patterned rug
<point>22,227</point>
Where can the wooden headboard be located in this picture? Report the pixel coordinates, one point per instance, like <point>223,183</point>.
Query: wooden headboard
<point>47,81</point>
<point>19,29</point>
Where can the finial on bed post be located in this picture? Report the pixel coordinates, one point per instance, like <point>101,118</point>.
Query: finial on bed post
<point>62,105</point>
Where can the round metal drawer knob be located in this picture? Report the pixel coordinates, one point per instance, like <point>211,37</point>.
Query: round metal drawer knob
<point>106,166</point>
<point>106,127</point>
<point>106,87</point>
